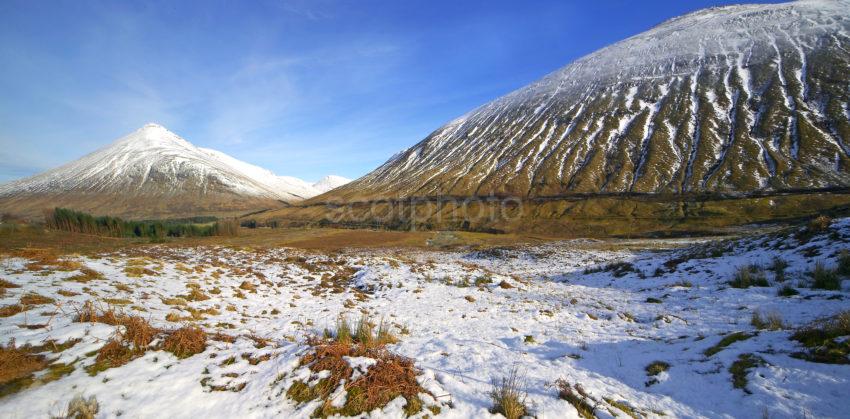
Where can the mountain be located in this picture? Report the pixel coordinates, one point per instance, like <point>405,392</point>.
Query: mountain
<point>724,101</point>
<point>330,182</point>
<point>153,173</point>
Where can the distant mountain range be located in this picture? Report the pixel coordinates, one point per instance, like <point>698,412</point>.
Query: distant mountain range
<point>154,173</point>
<point>724,101</point>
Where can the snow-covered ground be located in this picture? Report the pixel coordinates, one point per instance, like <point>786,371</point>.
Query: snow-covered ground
<point>466,318</point>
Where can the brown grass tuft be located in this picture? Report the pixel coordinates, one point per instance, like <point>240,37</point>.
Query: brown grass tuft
<point>576,396</point>
<point>137,332</point>
<point>390,377</point>
<point>80,408</point>
<point>6,284</point>
<point>86,275</point>
<point>185,341</point>
<point>113,354</point>
<point>11,310</point>
<point>505,285</point>
<point>17,366</point>
<point>34,299</point>
<point>88,313</point>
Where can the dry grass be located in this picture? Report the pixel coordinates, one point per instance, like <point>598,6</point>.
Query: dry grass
<point>138,272</point>
<point>576,396</point>
<point>6,284</point>
<point>508,398</point>
<point>363,332</point>
<point>194,294</point>
<point>80,408</point>
<point>34,299</point>
<point>824,278</point>
<point>391,376</point>
<point>185,341</point>
<point>825,340</point>
<point>11,310</point>
<point>113,354</point>
<point>749,276</point>
<point>86,275</point>
<point>769,321</point>
<point>656,367</point>
<point>137,332</point>
<point>17,366</point>
<point>89,313</point>
<point>505,285</point>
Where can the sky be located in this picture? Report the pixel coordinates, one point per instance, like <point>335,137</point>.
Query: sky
<point>304,88</point>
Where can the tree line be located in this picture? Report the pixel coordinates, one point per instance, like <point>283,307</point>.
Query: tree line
<point>80,222</point>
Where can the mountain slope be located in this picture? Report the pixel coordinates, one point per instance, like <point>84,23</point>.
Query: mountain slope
<point>152,172</point>
<point>652,134</point>
<point>731,99</point>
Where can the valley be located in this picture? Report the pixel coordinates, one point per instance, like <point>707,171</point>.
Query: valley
<point>640,328</point>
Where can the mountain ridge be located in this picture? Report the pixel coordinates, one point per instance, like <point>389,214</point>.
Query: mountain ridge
<point>153,163</point>
<point>749,88</point>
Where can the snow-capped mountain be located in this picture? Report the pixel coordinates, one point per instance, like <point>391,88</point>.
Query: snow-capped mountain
<point>730,99</point>
<point>330,182</point>
<point>154,168</point>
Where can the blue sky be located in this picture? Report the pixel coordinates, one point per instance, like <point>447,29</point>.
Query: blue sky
<point>304,88</point>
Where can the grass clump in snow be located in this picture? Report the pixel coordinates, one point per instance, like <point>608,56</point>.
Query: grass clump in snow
<point>654,369</point>
<point>827,340</point>
<point>749,276</point>
<point>623,407</point>
<point>741,367</point>
<point>726,341</point>
<point>778,266</point>
<point>86,275</point>
<point>387,375</point>
<point>817,226</point>
<point>17,367</point>
<point>6,284</point>
<point>657,367</point>
<point>617,269</point>
<point>35,299</point>
<point>195,293</point>
<point>787,291</point>
<point>185,341</point>
<point>80,408</point>
<point>843,259</point>
<point>508,398</point>
<point>576,396</point>
<point>89,313</point>
<point>768,321</point>
<point>113,354</point>
<point>132,341</point>
<point>363,332</point>
<point>11,310</point>
<point>824,278</point>
<point>138,333</point>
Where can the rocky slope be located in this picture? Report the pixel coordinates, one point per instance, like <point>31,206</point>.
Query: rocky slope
<point>733,99</point>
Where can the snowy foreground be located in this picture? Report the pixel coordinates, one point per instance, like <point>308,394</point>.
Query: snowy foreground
<point>465,318</point>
